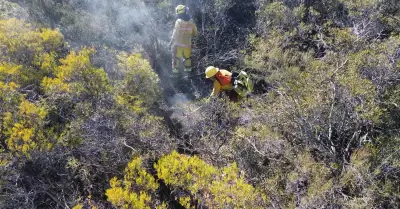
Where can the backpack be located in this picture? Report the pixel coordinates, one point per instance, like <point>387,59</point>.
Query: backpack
<point>242,83</point>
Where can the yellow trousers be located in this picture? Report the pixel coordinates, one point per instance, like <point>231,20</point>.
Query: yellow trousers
<point>182,53</point>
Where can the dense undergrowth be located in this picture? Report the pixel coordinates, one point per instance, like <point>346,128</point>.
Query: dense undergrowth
<point>90,118</point>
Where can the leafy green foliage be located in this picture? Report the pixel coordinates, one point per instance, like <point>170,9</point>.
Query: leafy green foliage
<point>30,54</point>
<point>140,87</point>
<point>136,188</point>
<point>217,188</point>
<point>27,56</point>
<point>77,76</point>
<point>25,130</point>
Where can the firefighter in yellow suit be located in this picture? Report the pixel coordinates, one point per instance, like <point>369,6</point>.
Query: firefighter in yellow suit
<point>235,85</point>
<point>181,40</point>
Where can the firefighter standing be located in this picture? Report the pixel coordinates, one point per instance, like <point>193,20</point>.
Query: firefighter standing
<point>181,40</point>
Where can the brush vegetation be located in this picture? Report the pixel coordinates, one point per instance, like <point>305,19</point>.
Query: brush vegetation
<point>86,119</point>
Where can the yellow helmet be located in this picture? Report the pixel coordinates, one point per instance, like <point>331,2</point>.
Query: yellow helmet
<point>211,71</point>
<point>180,9</point>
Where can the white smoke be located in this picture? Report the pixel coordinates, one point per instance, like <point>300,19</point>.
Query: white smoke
<point>127,23</point>
<point>184,111</point>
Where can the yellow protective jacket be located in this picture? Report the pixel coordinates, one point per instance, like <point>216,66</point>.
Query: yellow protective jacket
<point>217,85</point>
<point>183,33</point>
